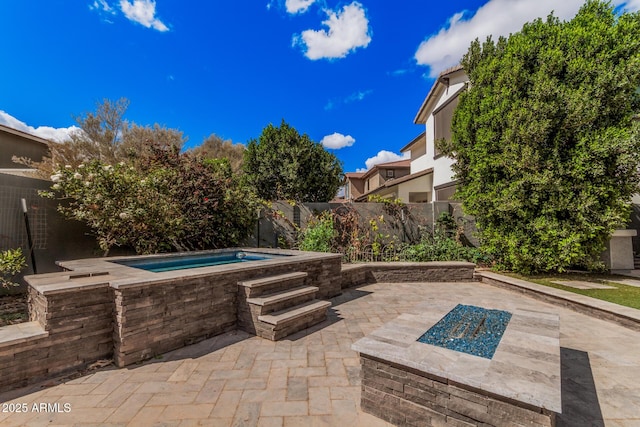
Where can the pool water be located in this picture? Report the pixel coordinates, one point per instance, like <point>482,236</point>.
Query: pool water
<point>183,262</point>
<point>469,329</point>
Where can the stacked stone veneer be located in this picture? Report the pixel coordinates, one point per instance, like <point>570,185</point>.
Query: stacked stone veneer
<point>113,311</point>
<point>398,272</point>
<point>131,315</point>
<point>407,397</point>
<point>410,383</point>
<point>69,329</point>
<point>154,318</point>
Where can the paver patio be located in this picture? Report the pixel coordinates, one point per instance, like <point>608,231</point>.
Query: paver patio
<point>312,378</point>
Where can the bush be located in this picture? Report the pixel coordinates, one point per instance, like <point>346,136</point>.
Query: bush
<point>437,246</point>
<point>12,261</point>
<point>319,235</point>
<point>171,201</point>
<point>340,232</point>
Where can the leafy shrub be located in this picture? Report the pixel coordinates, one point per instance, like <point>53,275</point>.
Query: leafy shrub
<point>437,246</point>
<point>171,201</point>
<point>12,261</point>
<point>319,234</point>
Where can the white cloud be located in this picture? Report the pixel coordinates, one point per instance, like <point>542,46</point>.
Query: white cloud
<point>102,5</point>
<point>348,30</point>
<point>383,156</point>
<point>143,12</point>
<point>358,96</point>
<point>46,132</point>
<point>354,97</point>
<point>337,141</point>
<point>631,6</point>
<point>496,18</point>
<point>400,72</point>
<point>298,6</point>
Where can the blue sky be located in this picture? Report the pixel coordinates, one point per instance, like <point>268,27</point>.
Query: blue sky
<point>349,74</point>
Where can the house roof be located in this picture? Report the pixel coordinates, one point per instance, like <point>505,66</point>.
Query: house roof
<point>406,178</point>
<point>398,164</point>
<point>393,182</point>
<point>22,134</point>
<point>441,83</point>
<point>405,163</point>
<point>419,138</point>
<point>354,174</point>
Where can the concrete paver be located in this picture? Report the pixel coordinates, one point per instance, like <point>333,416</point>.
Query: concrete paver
<point>312,378</point>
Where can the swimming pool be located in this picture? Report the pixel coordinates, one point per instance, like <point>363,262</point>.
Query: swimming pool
<point>187,261</point>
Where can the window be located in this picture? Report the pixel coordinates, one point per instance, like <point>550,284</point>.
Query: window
<point>390,173</point>
<point>442,122</point>
<point>442,117</point>
<point>445,191</point>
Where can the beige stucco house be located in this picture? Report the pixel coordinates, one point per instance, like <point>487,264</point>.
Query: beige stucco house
<point>379,180</point>
<point>436,113</point>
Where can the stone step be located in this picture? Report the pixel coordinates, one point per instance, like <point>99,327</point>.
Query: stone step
<point>265,285</point>
<point>283,323</point>
<point>283,299</point>
<point>283,317</point>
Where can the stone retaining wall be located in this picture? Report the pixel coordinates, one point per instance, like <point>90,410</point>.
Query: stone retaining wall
<point>405,397</point>
<point>155,318</point>
<point>399,272</point>
<point>134,315</point>
<point>600,309</point>
<point>68,331</point>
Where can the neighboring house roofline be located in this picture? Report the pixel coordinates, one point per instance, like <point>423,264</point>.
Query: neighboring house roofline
<point>397,164</point>
<point>22,134</point>
<point>354,174</point>
<point>442,82</point>
<point>393,182</point>
<point>407,178</point>
<point>414,141</point>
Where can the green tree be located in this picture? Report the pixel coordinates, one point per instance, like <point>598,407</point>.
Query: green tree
<point>106,136</point>
<point>282,164</point>
<point>214,147</point>
<point>546,147</point>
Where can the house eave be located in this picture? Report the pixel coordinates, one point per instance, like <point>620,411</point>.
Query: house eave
<point>441,83</point>
<point>413,142</point>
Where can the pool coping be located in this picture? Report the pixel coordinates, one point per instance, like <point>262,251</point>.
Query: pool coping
<point>123,276</point>
<point>620,314</point>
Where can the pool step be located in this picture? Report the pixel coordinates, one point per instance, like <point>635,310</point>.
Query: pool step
<point>283,299</point>
<point>276,306</point>
<point>265,285</point>
<point>288,321</point>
